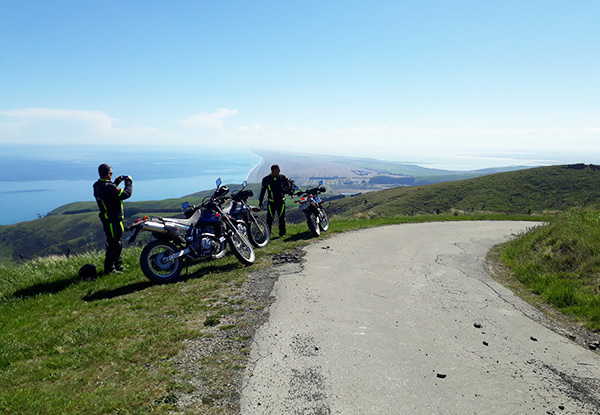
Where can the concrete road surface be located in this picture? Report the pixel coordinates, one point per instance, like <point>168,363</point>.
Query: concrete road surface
<point>404,320</point>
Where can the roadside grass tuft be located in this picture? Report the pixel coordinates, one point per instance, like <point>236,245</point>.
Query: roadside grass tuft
<point>560,262</point>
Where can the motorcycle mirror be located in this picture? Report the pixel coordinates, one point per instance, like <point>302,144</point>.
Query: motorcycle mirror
<point>245,183</point>
<point>320,182</point>
<point>219,182</point>
<point>185,205</point>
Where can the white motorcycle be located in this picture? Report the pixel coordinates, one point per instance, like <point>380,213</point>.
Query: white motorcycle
<point>312,207</point>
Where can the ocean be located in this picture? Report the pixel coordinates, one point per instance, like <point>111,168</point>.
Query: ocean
<point>34,180</point>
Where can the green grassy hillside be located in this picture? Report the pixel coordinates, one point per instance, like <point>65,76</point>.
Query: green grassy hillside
<point>75,228</point>
<point>560,264</point>
<point>544,189</point>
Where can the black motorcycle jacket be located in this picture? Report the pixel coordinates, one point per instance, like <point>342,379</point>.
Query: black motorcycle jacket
<point>276,188</point>
<point>110,198</point>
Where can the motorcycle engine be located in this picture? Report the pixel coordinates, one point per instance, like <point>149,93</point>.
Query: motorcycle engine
<point>205,245</point>
<point>208,245</point>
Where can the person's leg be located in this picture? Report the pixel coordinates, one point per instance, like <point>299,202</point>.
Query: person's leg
<point>270,215</point>
<point>282,227</point>
<point>109,247</point>
<point>117,259</point>
<point>113,261</point>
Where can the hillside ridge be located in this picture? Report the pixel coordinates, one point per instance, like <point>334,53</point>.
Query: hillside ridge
<point>75,227</point>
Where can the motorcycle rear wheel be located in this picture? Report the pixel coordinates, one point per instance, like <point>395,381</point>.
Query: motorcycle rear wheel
<point>154,263</point>
<point>259,233</point>
<point>313,225</point>
<point>241,247</point>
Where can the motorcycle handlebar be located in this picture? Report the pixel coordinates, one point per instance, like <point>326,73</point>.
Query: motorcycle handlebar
<point>241,195</point>
<point>313,191</point>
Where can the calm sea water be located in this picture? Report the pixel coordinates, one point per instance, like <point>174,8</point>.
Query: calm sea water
<point>37,179</point>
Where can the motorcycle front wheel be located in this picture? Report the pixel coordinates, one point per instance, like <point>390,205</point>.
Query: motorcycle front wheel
<point>313,224</point>
<point>155,265</point>
<point>241,247</point>
<point>259,232</point>
<point>324,222</point>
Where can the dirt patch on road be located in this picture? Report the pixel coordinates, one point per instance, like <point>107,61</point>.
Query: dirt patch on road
<point>209,371</point>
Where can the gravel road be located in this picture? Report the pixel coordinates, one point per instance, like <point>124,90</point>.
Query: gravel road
<point>405,320</point>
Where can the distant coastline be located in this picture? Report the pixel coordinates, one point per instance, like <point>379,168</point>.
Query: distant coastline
<point>158,174</point>
<point>254,174</point>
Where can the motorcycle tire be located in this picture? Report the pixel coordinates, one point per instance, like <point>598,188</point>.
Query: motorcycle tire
<point>324,222</point>
<point>259,233</point>
<point>154,265</point>
<point>241,247</point>
<point>313,225</point>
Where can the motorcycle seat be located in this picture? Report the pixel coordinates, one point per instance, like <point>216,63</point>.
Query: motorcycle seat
<point>187,222</point>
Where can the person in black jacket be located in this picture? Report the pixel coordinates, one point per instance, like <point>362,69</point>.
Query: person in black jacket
<point>277,186</point>
<point>110,201</point>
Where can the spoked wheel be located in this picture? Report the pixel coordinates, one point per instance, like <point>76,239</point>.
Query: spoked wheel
<point>155,263</point>
<point>241,247</point>
<point>313,224</point>
<point>324,221</point>
<point>259,232</point>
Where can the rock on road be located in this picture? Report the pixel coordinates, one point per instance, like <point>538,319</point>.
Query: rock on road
<point>404,319</point>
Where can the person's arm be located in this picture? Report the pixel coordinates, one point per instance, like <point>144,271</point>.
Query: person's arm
<point>128,190</point>
<point>261,198</point>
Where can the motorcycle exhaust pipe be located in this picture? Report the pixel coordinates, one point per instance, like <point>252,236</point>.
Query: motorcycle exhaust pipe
<point>154,227</point>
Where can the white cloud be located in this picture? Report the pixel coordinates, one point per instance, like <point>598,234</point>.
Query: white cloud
<point>210,120</point>
<point>389,141</point>
<point>53,125</point>
<point>28,116</point>
<point>60,126</point>
<point>256,128</point>
<point>391,135</point>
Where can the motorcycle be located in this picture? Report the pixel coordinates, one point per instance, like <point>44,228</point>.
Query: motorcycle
<point>203,234</point>
<point>258,231</point>
<point>312,206</point>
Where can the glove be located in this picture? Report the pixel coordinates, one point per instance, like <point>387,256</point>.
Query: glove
<point>121,178</point>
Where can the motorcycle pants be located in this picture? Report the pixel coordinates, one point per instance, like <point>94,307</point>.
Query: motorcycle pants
<point>113,260</point>
<point>276,208</point>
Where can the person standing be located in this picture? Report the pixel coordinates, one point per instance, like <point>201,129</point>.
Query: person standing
<point>110,201</point>
<point>276,185</point>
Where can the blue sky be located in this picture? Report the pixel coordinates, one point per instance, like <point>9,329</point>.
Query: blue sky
<point>462,83</point>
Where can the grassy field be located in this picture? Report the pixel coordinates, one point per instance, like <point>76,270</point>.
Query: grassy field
<point>539,190</point>
<point>69,346</point>
<point>560,264</point>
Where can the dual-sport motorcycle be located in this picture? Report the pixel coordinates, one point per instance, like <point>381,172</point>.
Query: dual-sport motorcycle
<point>312,207</point>
<point>240,210</point>
<point>202,235</point>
